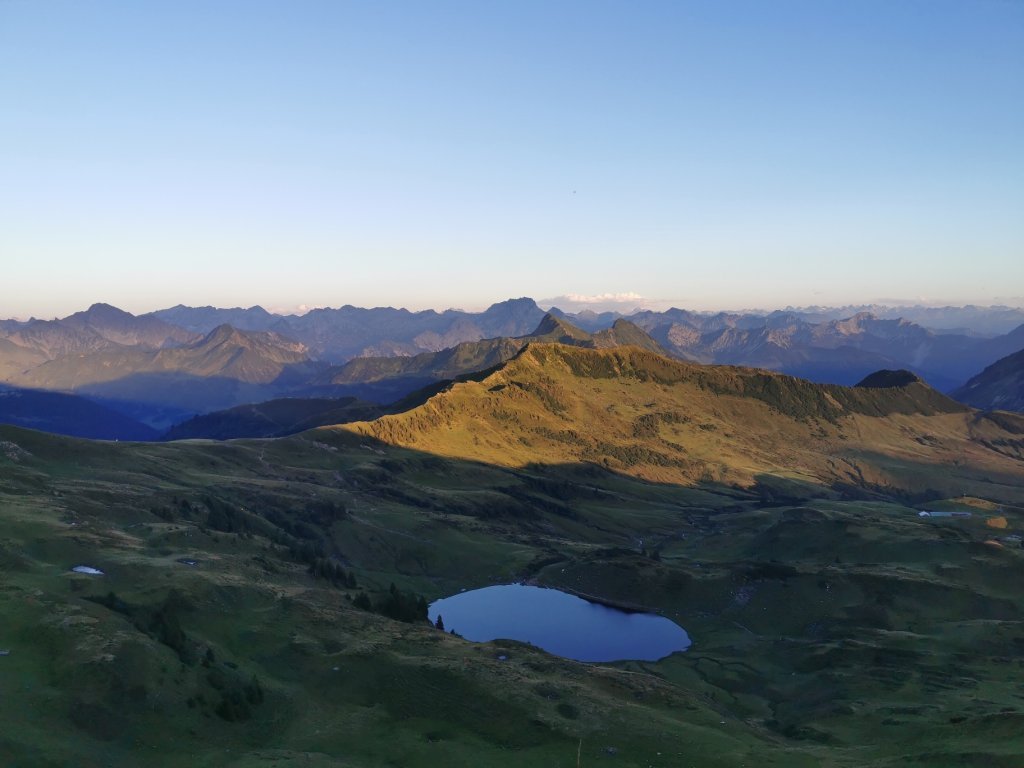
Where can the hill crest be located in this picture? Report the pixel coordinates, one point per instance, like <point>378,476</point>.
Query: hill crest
<point>634,411</point>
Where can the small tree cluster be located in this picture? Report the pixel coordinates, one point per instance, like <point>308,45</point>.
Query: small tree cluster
<point>332,571</point>
<point>404,606</point>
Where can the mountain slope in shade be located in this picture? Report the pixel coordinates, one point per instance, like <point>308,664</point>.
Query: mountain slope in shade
<point>659,419</point>
<point>71,415</point>
<point>248,356</point>
<point>225,368</point>
<point>273,418</point>
<point>998,387</point>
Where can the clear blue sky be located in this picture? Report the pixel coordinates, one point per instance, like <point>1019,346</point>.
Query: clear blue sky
<point>703,154</point>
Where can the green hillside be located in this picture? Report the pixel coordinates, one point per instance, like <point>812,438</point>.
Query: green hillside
<point>240,618</point>
<point>644,415</point>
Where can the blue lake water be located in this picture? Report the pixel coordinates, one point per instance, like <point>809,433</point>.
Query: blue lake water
<point>560,623</point>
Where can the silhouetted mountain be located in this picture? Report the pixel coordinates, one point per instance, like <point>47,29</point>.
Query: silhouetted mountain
<point>513,317</point>
<point>998,387</point>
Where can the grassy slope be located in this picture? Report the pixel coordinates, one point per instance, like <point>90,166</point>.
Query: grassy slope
<point>669,421</point>
<point>827,631</point>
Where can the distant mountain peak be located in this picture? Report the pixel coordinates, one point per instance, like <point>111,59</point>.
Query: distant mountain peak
<point>101,306</point>
<point>101,312</point>
<point>522,303</point>
<point>553,325</point>
<point>265,343</point>
<point>621,322</point>
<point>222,334</point>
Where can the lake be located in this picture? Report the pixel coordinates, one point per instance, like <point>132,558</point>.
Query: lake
<point>560,623</point>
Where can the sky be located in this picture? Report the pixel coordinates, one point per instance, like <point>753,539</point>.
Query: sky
<point>707,155</point>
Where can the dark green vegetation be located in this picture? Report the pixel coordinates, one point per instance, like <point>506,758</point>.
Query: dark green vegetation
<point>240,620</point>
<point>1000,386</point>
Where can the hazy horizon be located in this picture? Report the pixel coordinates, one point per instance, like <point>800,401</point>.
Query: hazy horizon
<point>696,154</point>
<point>566,304</point>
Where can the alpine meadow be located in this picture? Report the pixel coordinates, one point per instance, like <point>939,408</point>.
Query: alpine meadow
<point>465,385</point>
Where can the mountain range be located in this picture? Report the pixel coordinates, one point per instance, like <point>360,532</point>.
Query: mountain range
<point>168,366</point>
<point>337,335</point>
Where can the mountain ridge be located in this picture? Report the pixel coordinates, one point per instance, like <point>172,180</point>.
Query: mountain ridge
<point>668,421</point>
<point>999,387</point>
